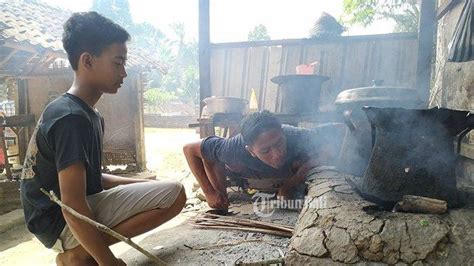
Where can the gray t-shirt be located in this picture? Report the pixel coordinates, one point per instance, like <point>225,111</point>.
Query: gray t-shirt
<point>302,143</point>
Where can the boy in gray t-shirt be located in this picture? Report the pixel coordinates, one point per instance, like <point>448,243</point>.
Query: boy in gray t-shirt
<point>264,149</point>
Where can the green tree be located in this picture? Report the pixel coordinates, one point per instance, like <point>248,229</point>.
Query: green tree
<point>183,76</point>
<point>259,33</point>
<point>405,13</point>
<point>116,10</point>
<point>154,98</point>
<point>182,80</point>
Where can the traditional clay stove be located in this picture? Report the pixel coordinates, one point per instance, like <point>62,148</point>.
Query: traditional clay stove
<point>413,154</point>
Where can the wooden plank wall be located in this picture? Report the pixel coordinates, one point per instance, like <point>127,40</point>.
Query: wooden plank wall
<point>350,62</point>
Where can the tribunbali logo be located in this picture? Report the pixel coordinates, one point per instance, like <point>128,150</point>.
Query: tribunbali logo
<point>265,204</point>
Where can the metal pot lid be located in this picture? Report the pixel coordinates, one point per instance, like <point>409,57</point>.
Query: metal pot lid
<point>378,93</point>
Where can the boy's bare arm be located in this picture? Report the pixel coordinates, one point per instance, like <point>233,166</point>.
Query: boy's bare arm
<point>204,171</point>
<point>110,181</point>
<point>72,184</point>
<point>192,152</point>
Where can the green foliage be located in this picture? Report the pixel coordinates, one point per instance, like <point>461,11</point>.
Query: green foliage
<point>183,76</point>
<point>405,13</point>
<point>155,98</point>
<point>259,33</point>
<point>424,222</point>
<point>182,80</point>
<point>116,10</point>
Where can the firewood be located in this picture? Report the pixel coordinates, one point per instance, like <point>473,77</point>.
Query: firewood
<point>244,220</point>
<point>278,261</point>
<point>249,229</point>
<point>231,244</point>
<point>418,204</point>
<point>233,223</point>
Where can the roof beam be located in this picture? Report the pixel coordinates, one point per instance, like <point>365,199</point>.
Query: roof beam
<point>33,49</point>
<point>26,63</point>
<point>12,53</point>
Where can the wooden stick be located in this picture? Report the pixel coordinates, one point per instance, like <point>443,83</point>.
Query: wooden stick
<point>248,220</point>
<point>230,244</point>
<point>250,229</point>
<point>417,204</point>
<point>251,221</point>
<point>52,196</point>
<point>280,261</point>
<point>245,223</point>
<point>239,223</point>
<point>213,224</point>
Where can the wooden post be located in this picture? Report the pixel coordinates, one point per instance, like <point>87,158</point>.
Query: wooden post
<point>23,109</point>
<point>204,52</point>
<point>426,29</point>
<point>3,146</point>
<point>137,87</point>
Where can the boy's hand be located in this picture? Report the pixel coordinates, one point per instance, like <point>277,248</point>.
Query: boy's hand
<point>284,192</point>
<point>217,200</point>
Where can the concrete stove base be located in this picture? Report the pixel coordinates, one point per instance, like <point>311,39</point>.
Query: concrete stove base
<point>338,226</point>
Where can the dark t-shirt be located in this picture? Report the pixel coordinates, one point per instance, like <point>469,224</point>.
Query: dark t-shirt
<point>68,131</point>
<point>302,143</point>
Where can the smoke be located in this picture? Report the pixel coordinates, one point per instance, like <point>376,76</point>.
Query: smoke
<point>414,153</point>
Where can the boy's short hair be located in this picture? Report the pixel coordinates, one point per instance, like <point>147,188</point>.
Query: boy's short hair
<point>256,123</point>
<point>90,32</point>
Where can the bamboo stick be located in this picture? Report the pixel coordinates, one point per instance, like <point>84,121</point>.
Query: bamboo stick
<point>249,220</point>
<point>250,229</point>
<point>230,244</point>
<point>52,196</point>
<point>279,261</point>
<point>246,223</point>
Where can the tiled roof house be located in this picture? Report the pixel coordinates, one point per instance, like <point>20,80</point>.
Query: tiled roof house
<point>35,67</point>
<point>30,40</point>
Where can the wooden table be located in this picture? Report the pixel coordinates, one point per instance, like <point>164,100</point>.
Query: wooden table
<point>227,123</point>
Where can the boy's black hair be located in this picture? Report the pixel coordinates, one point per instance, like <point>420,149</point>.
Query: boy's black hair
<point>256,123</point>
<point>90,32</point>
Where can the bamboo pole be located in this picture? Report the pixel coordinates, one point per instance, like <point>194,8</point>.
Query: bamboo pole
<point>52,196</point>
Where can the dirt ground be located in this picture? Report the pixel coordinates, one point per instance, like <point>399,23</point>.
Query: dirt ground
<point>177,242</point>
<point>188,245</point>
<point>163,148</point>
<point>164,157</point>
